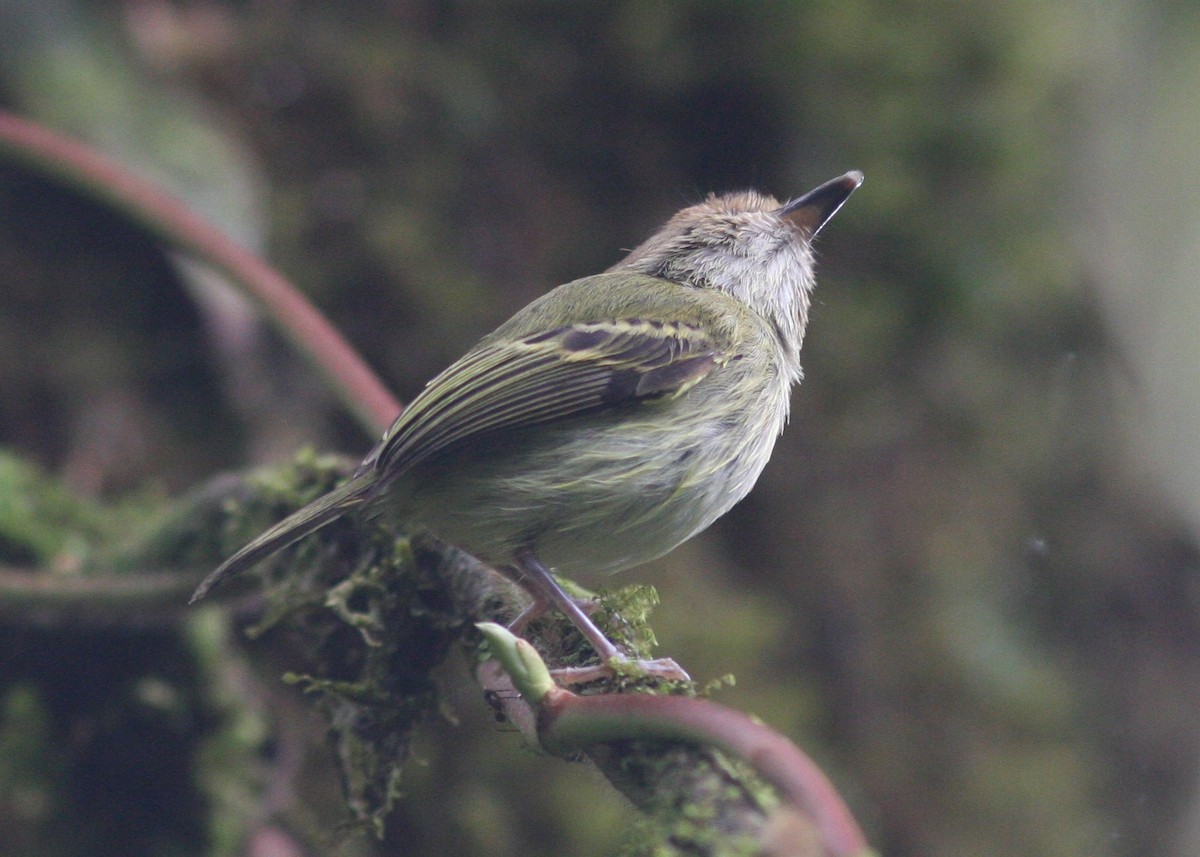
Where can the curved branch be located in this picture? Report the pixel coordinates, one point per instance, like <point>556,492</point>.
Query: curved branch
<point>176,225</point>
<point>567,723</point>
<point>570,722</point>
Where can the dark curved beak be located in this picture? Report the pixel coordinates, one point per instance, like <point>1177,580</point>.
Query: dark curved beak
<point>810,212</point>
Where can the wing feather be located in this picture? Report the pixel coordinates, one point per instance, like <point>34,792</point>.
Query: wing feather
<point>545,377</point>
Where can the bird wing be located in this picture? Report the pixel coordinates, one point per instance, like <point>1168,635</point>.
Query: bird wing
<point>553,375</point>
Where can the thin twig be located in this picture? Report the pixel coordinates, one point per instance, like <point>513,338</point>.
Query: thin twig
<point>37,596</point>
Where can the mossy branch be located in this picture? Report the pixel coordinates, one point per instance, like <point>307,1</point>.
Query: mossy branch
<point>567,723</point>
<point>369,613</point>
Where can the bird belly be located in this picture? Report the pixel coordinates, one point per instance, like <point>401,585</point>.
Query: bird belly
<point>594,496</point>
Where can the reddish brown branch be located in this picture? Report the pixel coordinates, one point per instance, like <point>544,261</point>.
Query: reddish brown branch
<point>567,721</point>
<point>176,225</point>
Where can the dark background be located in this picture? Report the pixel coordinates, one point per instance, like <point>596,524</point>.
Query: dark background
<point>967,582</point>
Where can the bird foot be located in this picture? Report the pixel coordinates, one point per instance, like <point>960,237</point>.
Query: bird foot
<point>537,580</point>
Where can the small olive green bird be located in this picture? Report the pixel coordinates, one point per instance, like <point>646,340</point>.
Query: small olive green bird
<point>611,419</point>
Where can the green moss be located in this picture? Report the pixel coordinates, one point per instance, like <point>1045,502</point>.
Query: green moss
<point>694,801</point>
<point>42,522</point>
<point>367,622</point>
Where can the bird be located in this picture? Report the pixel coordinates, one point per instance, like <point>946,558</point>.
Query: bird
<point>611,419</point>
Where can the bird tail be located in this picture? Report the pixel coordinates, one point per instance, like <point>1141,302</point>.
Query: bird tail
<point>303,522</point>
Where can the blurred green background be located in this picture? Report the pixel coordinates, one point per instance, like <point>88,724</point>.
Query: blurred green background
<point>967,582</point>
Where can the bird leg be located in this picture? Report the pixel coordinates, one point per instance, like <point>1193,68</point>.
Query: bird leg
<point>536,579</point>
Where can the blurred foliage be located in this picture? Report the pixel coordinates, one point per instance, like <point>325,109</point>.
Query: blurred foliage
<point>37,514</point>
<point>950,584</point>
